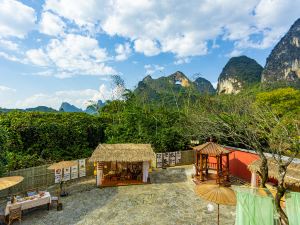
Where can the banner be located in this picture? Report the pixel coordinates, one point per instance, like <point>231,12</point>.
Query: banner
<point>58,176</point>
<point>172,158</point>
<point>74,171</point>
<point>178,157</point>
<point>67,174</point>
<point>159,160</point>
<point>166,159</point>
<point>82,171</point>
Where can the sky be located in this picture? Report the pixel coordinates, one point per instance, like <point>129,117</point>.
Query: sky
<point>53,51</point>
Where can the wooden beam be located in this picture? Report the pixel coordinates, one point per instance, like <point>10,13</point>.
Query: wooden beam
<point>201,167</point>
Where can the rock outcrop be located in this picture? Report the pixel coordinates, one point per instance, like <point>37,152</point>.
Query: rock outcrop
<point>283,64</point>
<point>239,73</point>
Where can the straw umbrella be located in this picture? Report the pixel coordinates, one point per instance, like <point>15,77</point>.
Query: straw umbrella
<point>61,165</point>
<point>217,194</point>
<point>7,182</point>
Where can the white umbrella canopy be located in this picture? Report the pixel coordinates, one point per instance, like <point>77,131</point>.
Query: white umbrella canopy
<point>7,182</point>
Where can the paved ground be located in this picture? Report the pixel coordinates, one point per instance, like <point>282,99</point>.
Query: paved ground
<point>170,199</point>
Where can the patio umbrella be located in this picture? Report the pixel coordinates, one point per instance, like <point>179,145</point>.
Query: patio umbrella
<point>217,194</point>
<point>61,165</point>
<point>7,182</point>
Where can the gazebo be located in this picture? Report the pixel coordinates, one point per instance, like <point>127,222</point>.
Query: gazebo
<point>122,164</point>
<point>210,156</point>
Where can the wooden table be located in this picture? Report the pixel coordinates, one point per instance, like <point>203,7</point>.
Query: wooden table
<point>31,203</point>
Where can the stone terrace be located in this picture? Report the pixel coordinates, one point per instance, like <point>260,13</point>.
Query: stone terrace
<point>170,199</point>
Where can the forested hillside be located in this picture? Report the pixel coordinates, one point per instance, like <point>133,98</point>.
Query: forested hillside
<point>34,138</point>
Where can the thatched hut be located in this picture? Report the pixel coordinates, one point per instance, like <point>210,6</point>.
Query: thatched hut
<point>121,164</point>
<point>292,177</point>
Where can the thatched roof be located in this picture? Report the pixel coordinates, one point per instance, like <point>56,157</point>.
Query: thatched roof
<point>122,153</point>
<point>211,148</point>
<point>293,172</point>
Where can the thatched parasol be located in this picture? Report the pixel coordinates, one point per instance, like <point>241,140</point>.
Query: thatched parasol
<point>123,153</point>
<point>62,164</point>
<point>7,182</point>
<point>293,171</point>
<point>217,194</point>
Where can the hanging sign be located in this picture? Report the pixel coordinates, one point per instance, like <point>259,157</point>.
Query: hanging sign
<point>74,171</point>
<point>58,176</point>
<point>82,168</point>
<point>178,157</point>
<point>172,158</point>
<point>158,160</point>
<point>166,159</point>
<point>67,174</point>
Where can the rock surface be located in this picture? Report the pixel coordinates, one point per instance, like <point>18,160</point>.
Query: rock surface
<point>204,86</point>
<point>237,74</point>
<point>283,64</point>
<point>173,84</point>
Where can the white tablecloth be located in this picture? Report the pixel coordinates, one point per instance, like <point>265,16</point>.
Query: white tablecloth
<point>28,204</point>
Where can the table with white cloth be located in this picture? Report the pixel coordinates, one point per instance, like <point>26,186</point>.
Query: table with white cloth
<point>30,202</point>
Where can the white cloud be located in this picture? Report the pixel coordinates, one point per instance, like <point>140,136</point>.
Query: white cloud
<point>146,46</point>
<point>182,28</point>
<point>151,69</point>
<point>182,61</point>
<point>37,57</point>
<point>16,19</point>
<point>234,53</point>
<point>123,51</point>
<point>51,24</point>
<point>11,57</point>
<point>72,55</point>
<point>6,89</point>
<point>9,45</point>
<point>79,98</point>
<point>85,13</point>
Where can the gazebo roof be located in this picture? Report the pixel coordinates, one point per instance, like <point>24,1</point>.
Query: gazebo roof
<point>293,171</point>
<point>211,148</point>
<point>122,153</point>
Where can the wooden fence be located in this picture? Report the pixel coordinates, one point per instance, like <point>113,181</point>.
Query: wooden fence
<point>36,178</point>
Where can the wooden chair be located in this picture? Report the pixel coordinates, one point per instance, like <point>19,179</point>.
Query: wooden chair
<point>55,199</point>
<point>15,213</point>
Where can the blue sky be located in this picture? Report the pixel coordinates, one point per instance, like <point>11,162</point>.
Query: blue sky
<point>64,50</point>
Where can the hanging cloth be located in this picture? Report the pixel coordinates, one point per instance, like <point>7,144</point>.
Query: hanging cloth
<point>293,207</point>
<point>253,209</point>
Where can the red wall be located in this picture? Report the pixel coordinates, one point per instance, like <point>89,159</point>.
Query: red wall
<point>238,162</point>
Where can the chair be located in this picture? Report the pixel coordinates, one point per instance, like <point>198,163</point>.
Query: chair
<point>55,199</point>
<point>15,213</point>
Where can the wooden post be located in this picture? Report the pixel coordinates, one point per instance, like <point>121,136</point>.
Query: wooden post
<point>201,167</point>
<point>218,168</point>
<point>196,165</point>
<point>221,163</point>
<point>227,164</point>
<point>218,214</point>
<point>206,168</point>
